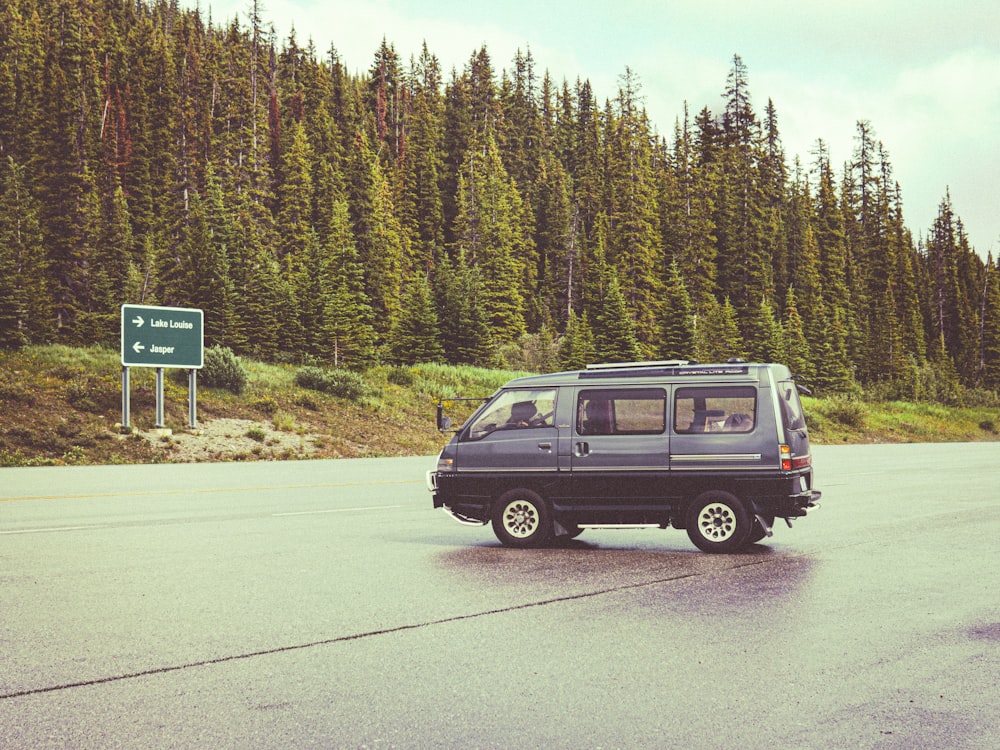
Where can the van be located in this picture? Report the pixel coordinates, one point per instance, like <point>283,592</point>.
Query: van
<point>718,450</point>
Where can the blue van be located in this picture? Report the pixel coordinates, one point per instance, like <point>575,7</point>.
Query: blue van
<point>719,450</point>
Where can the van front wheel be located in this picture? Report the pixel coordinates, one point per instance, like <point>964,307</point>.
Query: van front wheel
<point>522,519</point>
<point>718,521</point>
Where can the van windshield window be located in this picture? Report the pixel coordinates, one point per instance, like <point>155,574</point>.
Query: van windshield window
<point>640,411</point>
<point>791,407</point>
<point>514,410</point>
<point>715,409</point>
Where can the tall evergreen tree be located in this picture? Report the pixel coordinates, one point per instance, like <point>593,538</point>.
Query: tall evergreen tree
<point>463,321</point>
<point>577,348</point>
<point>766,341</point>
<point>487,231</point>
<point>614,330</point>
<point>634,246</point>
<point>421,206</point>
<point>415,336</point>
<point>25,308</point>
<point>718,336</point>
<point>676,331</point>
<point>348,329</point>
<point>796,349</point>
<point>990,338</point>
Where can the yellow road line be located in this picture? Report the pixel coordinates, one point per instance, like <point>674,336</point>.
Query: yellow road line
<point>132,493</point>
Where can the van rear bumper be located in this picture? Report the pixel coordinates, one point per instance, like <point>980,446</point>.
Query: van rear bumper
<point>789,506</point>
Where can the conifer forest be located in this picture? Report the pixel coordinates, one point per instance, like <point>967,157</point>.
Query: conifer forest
<point>487,215</point>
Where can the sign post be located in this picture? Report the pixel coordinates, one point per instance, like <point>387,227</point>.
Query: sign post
<point>161,337</point>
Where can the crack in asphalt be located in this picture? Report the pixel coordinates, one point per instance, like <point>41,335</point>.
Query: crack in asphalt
<point>358,636</point>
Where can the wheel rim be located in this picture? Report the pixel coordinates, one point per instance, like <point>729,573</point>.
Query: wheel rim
<point>520,519</point>
<point>717,522</point>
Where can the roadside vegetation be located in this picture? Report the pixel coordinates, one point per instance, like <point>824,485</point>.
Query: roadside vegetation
<point>62,406</point>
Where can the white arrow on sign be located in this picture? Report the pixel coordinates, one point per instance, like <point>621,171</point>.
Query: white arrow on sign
<point>138,321</point>
<point>137,347</point>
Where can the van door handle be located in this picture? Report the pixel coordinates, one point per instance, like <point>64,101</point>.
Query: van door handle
<point>545,446</point>
<point>583,449</point>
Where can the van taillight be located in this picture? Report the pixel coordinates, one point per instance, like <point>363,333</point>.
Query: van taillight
<point>786,457</point>
<point>788,462</point>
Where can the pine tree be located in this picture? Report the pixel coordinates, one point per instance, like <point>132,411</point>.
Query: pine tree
<point>614,330</point>
<point>829,356</point>
<point>718,335</point>
<point>577,348</point>
<point>487,232</point>
<point>25,311</point>
<point>744,262</point>
<point>421,207</point>
<point>415,337</point>
<point>463,322</point>
<point>766,342</point>
<point>990,373</point>
<point>63,143</point>
<point>634,240</point>
<point>348,330</point>
<point>262,296</point>
<point>952,310</point>
<point>295,197</point>
<point>797,354</point>
<point>688,228</point>
<point>676,329</point>
<point>377,233</point>
<point>555,241</point>
<point>110,273</point>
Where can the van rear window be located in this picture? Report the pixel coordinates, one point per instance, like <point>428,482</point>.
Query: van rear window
<point>715,409</point>
<point>791,407</point>
<point>625,411</point>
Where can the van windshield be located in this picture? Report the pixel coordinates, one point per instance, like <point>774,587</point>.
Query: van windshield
<point>515,409</point>
<point>791,407</point>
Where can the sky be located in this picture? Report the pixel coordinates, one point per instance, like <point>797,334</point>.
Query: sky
<point>926,75</point>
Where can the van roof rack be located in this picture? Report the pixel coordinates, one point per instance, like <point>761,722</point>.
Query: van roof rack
<point>636,365</point>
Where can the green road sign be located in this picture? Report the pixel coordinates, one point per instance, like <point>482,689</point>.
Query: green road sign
<point>162,336</point>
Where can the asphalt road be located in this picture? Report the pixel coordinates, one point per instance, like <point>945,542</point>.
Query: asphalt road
<point>325,604</point>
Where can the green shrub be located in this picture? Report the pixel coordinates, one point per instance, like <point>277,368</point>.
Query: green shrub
<point>266,404</point>
<point>341,383</point>
<point>307,402</point>
<point>283,421</point>
<point>400,375</point>
<point>10,390</point>
<point>847,411</point>
<point>94,394</point>
<point>256,433</point>
<point>222,369</point>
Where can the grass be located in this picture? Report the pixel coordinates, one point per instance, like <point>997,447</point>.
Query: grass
<point>61,405</point>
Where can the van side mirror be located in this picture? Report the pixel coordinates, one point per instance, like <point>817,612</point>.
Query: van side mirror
<point>443,422</point>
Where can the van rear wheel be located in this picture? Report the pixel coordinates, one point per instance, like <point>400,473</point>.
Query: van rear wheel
<point>521,518</point>
<point>718,521</point>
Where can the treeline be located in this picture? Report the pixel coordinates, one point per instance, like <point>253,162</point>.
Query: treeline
<point>485,216</point>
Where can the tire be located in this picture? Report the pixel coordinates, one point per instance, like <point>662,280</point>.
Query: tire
<point>522,519</point>
<point>718,521</point>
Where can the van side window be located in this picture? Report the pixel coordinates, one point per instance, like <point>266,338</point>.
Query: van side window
<point>715,409</point>
<point>640,411</point>
<point>514,410</point>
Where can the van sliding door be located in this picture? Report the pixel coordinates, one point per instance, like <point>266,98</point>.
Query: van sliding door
<point>620,445</point>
